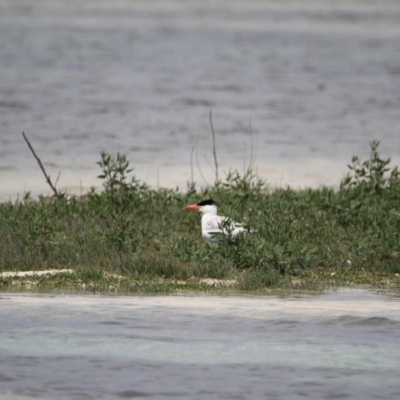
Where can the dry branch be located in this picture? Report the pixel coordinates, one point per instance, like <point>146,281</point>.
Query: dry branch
<point>191,164</point>
<point>48,180</point>
<point>214,148</point>
<point>198,164</point>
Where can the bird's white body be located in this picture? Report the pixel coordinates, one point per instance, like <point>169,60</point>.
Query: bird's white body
<point>212,224</point>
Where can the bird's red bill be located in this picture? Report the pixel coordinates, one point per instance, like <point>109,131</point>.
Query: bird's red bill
<point>192,207</point>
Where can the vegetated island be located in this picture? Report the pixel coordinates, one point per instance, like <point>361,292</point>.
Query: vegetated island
<point>130,238</point>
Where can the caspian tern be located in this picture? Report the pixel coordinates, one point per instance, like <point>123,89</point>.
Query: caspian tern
<point>212,224</point>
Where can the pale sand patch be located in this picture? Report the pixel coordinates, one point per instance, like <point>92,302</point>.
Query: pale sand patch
<point>209,282</point>
<point>21,274</point>
<point>8,274</point>
<point>218,282</point>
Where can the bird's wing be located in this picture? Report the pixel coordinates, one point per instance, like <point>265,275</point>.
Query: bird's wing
<point>219,224</point>
<point>213,224</point>
<point>223,225</point>
<point>233,228</point>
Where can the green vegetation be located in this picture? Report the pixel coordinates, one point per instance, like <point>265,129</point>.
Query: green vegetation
<point>132,238</point>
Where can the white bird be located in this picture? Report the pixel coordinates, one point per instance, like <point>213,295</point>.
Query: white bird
<point>213,224</point>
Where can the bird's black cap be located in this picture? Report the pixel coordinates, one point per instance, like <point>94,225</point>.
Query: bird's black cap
<point>209,202</point>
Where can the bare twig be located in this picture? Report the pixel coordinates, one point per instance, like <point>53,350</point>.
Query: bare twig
<point>198,164</point>
<point>245,158</point>
<point>209,164</point>
<point>148,173</point>
<point>191,163</point>
<point>58,177</point>
<point>41,166</point>
<point>252,145</point>
<point>253,150</point>
<point>214,148</point>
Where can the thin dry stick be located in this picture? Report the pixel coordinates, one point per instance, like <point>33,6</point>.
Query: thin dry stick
<point>255,147</point>
<point>58,177</point>
<point>252,145</point>
<point>198,164</point>
<point>253,151</point>
<point>148,173</point>
<point>41,166</point>
<point>209,164</point>
<point>191,163</point>
<point>214,148</point>
<point>245,158</point>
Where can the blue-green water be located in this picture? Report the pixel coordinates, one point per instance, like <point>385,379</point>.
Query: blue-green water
<point>339,345</point>
<point>313,80</point>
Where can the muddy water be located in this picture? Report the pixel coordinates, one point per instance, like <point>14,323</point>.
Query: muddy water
<point>314,81</point>
<point>338,345</point>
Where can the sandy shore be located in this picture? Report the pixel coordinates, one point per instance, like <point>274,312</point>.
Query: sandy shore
<point>355,302</point>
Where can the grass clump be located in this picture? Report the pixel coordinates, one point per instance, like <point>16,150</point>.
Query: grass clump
<point>132,238</point>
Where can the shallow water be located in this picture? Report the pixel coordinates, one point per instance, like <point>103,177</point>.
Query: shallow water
<point>316,80</point>
<point>338,345</point>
